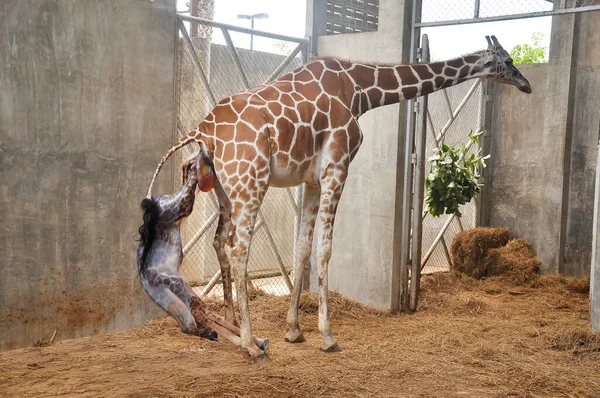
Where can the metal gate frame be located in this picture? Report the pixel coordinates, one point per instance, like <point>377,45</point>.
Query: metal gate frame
<point>414,151</point>
<point>295,199</point>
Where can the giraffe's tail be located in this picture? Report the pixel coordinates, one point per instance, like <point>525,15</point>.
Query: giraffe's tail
<point>183,141</point>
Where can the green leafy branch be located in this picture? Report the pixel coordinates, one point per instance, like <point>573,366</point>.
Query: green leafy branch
<point>453,175</point>
<point>530,53</point>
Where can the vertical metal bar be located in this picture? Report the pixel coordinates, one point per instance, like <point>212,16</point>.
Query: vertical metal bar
<point>405,233</point>
<point>236,59</point>
<point>485,142</point>
<point>476,11</point>
<point>480,127</point>
<point>196,62</point>
<point>419,189</point>
<point>305,53</point>
<point>595,266</point>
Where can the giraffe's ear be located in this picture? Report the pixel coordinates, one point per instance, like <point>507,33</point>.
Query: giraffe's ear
<point>489,42</point>
<point>206,174</point>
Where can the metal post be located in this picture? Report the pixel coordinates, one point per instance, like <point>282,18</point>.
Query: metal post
<point>251,35</point>
<point>405,222</point>
<point>419,188</point>
<point>485,141</point>
<point>595,267</point>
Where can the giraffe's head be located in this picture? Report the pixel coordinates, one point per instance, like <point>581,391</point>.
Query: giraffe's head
<point>495,64</point>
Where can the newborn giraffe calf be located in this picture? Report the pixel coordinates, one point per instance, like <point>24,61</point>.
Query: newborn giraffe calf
<point>159,260</point>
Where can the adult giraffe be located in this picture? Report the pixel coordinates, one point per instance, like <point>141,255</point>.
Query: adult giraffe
<point>303,128</point>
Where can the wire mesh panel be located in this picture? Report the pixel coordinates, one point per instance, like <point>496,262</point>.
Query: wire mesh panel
<point>431,11</point>
<point>221,65</point>
<point>352,16</point>
<point>451,115</point>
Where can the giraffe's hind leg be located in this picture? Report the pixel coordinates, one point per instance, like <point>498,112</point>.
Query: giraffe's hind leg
<point>219,245</point>
<point>244,214</point>
<point>310,206</point>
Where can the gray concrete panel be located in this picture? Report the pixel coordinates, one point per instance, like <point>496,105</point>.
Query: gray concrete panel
<point>86,112</point>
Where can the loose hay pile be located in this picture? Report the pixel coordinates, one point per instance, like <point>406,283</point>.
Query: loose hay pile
<point>485,252</point>
<point>469,248</point>
<point>469,338</point>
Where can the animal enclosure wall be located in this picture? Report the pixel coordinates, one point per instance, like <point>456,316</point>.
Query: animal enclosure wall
<point>86,113</point>
<point>544,149</point>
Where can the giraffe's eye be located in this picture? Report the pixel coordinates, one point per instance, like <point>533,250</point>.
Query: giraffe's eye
<point>488,64</point>
<point>509,61</point>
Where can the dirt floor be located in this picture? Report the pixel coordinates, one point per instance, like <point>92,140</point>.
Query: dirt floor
<point>470,338</point>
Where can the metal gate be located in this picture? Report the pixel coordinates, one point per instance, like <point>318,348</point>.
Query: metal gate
<point>451,114</point>
<point>212,64</point>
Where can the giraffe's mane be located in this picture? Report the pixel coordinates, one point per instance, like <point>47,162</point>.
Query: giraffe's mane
<point>346,60</point>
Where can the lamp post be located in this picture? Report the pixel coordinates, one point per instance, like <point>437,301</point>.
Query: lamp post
<point>252,17</point>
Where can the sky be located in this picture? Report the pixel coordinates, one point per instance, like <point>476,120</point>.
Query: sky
<point>288,17</point>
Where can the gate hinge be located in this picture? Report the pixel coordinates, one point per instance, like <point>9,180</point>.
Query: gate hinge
<point>416,107</point>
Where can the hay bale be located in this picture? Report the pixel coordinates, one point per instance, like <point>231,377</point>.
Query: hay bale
<point>517,261</point>
<point>469,248</point>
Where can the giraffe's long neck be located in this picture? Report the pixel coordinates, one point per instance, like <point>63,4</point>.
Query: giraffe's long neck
<point>379,85</point>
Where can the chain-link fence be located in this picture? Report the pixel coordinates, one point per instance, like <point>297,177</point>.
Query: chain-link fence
<point>461,11</point>
<point>451,115</point>
<point>216,63</point>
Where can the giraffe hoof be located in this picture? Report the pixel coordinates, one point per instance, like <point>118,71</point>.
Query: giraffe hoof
<point>332,348</point>
<point>259,358</point>
<point>265,346</point>
<point>295,337</point>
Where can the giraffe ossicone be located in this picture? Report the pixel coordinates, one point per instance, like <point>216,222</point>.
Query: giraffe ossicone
<point>303,129</point>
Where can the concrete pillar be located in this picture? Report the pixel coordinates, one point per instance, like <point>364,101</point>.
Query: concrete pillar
<point>595,274</point>
<point>363,261</point>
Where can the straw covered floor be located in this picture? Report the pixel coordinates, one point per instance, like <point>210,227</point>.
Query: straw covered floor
<point>488,337</point>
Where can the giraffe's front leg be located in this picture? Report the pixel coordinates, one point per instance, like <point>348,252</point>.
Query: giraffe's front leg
<point>310,206</point>
<point>331,190</point>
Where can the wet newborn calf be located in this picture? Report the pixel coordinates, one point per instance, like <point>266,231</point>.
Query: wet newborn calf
<point>159,261</point>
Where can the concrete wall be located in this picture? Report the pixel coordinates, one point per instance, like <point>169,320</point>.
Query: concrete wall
<point>86,112</point>
<point>544,149</point>
<point>363,241</point>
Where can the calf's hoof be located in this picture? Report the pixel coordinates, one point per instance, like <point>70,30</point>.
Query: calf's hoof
<point>259,358</point>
